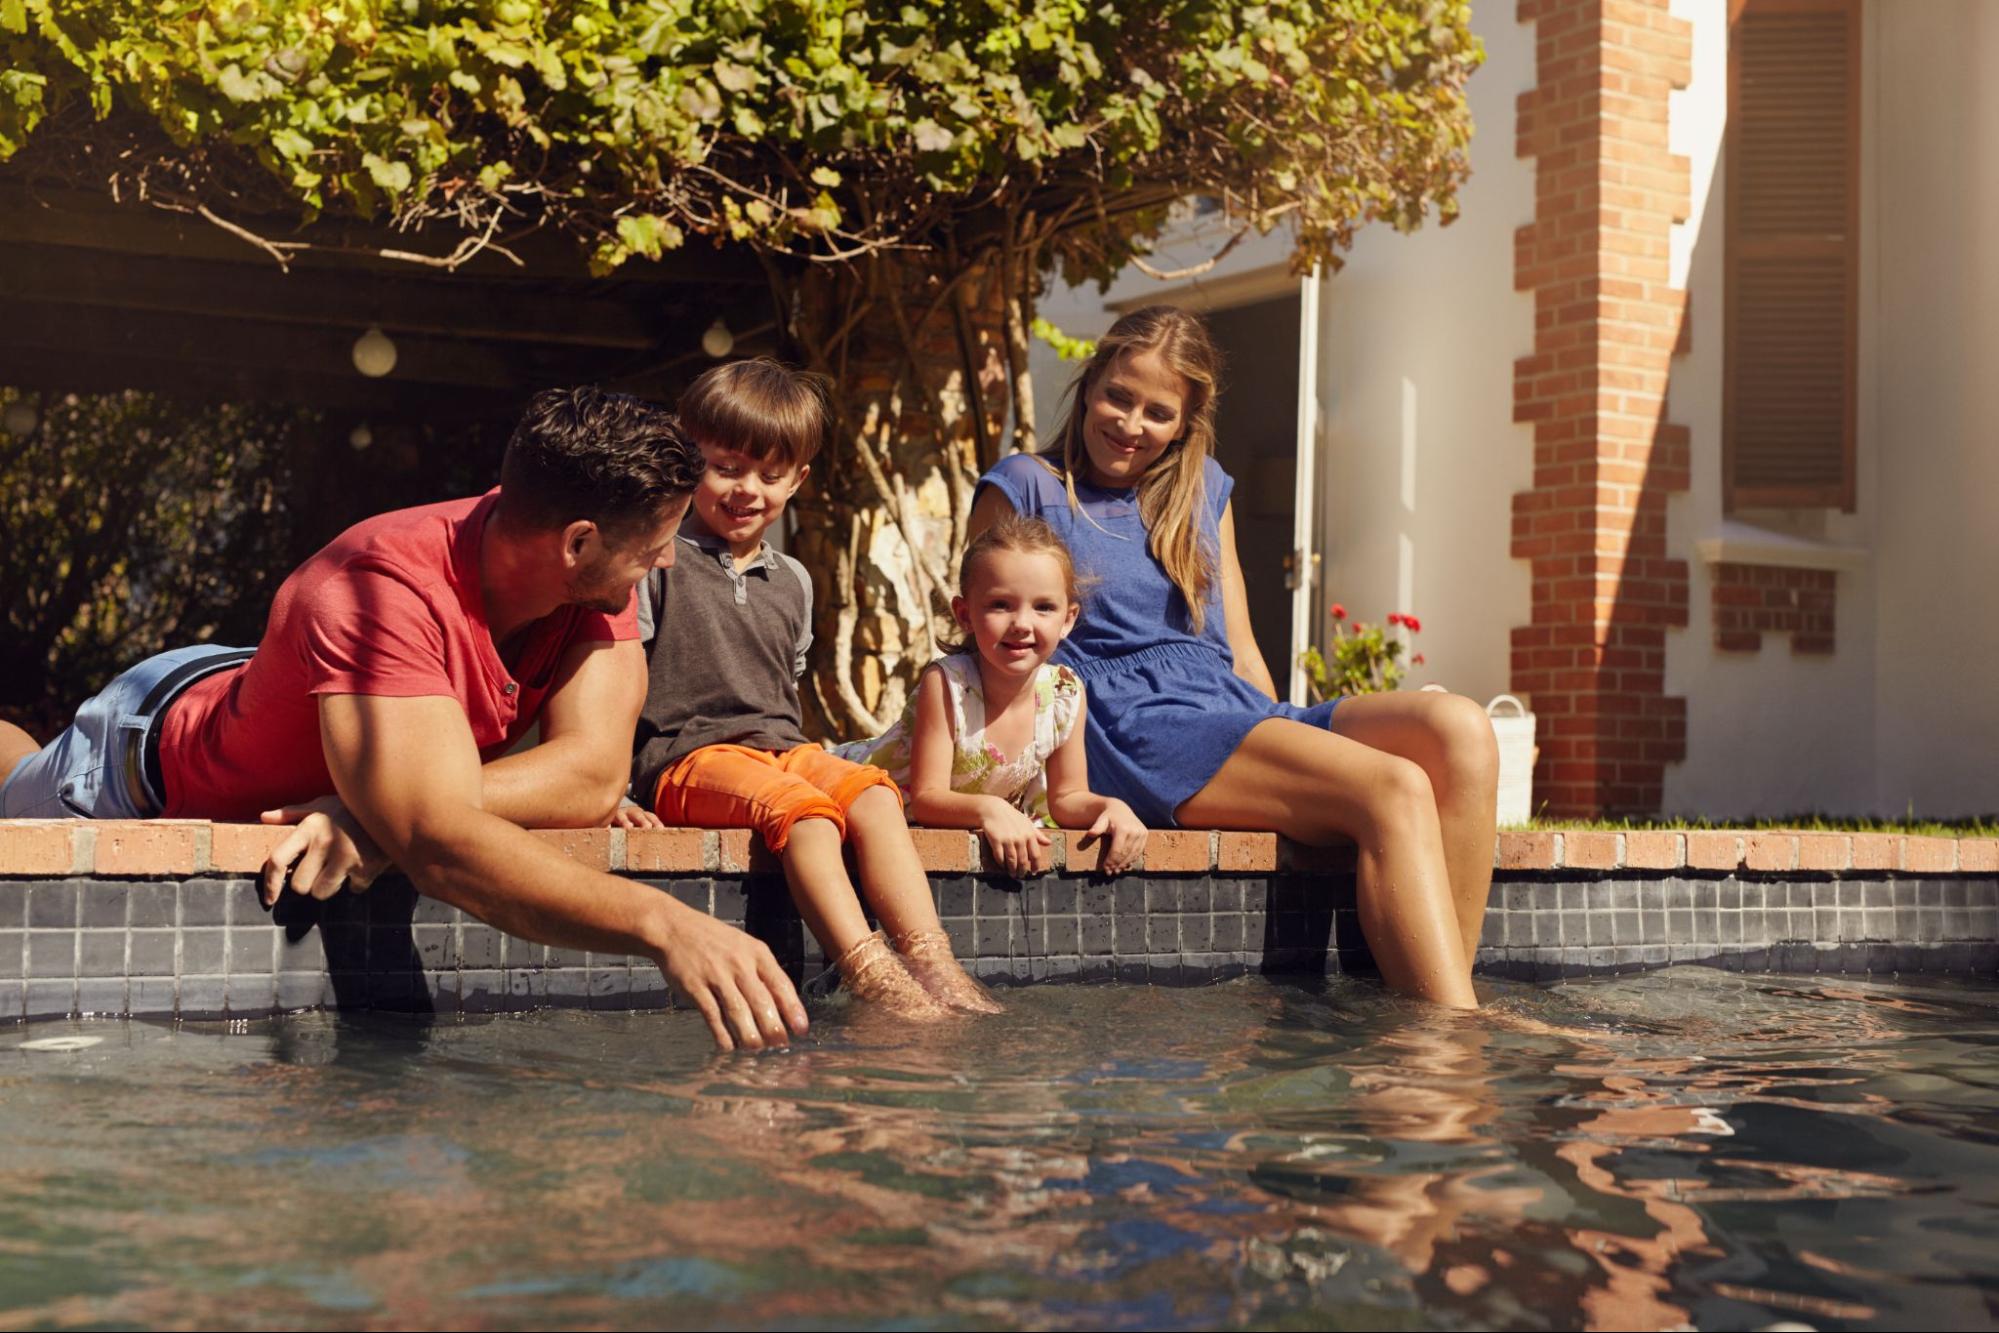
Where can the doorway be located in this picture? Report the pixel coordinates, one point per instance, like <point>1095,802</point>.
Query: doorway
<point>1256,442</point>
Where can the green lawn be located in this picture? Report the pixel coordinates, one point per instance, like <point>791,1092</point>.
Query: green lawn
<point>1983,826</point>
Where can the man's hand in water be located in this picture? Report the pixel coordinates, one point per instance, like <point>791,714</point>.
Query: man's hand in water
<point>327,848</point>
<point>733,979</point>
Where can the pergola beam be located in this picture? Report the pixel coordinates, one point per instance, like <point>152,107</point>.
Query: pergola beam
<point>252,343</point>
<point>93,222</point>
<point>629,316</point>
<point>97,296</point>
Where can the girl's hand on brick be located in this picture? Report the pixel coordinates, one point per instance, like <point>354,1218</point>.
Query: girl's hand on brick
<point>1123,833</point>
<point>1020,844</point>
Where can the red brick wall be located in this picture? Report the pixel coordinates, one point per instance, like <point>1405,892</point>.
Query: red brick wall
<point>1750,600</point>
<point>1606,326</point>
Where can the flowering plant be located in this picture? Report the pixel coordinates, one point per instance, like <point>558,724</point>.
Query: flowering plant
<point>1361,659</point>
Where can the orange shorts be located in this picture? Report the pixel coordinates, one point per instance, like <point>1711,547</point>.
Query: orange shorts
<point>734,786</point>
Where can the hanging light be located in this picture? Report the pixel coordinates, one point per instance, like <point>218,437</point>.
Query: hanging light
<point>374,353</point>
<point>20,418</point>
<point>360,438</point>
<point>718,342</point>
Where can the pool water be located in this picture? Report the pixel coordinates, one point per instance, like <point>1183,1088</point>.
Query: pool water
<point>1680,1148</point>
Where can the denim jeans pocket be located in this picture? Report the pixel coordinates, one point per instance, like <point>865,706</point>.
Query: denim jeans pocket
<point>79,794</point>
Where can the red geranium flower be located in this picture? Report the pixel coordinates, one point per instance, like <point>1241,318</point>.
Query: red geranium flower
<point>1417,660</point>
<point>1395,617</point>
<point>1415,625</point>
<point>1337,611</point>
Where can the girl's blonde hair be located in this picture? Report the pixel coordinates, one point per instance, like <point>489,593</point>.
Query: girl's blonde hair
<point>1027,536</point>
<point>1173,490</point>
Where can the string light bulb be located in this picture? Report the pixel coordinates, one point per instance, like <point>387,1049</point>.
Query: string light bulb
<point>20,419</point>
<point>374,353</point>
<point>717,341</point>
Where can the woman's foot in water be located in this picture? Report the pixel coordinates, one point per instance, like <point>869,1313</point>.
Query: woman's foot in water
<point>873,973</point>
<point>931,960</point>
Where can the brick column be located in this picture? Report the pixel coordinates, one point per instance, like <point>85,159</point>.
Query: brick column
<point>1606,325</point>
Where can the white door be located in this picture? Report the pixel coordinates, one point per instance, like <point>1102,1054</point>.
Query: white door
<point>1302,567</point>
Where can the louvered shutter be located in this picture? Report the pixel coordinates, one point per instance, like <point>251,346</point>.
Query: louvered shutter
<point>1793,254</point>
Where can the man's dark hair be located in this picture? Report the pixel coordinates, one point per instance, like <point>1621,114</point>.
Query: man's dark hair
<point>586,453</point>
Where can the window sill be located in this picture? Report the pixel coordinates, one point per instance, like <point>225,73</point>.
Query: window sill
<point>1746,544</point>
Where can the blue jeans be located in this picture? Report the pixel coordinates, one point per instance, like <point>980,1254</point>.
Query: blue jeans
<point>94,769</point>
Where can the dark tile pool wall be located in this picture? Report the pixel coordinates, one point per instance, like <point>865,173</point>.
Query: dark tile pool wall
<point>205,947</point>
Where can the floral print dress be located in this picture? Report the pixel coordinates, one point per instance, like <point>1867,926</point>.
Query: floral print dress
<point>979,768</point>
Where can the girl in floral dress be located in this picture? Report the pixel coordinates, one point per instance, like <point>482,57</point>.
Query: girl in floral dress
<point>993,737</point>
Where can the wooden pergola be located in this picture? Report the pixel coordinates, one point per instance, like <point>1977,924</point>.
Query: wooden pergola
<point>97,296</point>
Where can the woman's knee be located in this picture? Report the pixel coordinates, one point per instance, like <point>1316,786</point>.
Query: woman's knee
<point>1465,743</point>
<point>1400,801</point>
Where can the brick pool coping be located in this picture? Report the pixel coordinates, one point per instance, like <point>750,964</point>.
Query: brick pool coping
<point>155,849</point>
<point>163,919</point>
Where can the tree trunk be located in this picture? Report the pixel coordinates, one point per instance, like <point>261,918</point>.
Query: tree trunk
<point>916,359</point>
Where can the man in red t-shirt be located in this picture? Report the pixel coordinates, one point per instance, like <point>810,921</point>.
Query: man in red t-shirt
<point>398,668</point>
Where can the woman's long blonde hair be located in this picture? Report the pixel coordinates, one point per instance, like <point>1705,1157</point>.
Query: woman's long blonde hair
<point>1174,489</point>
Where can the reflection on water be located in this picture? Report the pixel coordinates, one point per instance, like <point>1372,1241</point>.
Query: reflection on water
<point>1684,1148</point>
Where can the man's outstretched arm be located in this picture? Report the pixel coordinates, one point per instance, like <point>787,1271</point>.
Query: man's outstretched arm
<point>408,770</point>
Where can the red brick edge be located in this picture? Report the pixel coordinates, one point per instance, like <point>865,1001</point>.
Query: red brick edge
<point>166,848</point>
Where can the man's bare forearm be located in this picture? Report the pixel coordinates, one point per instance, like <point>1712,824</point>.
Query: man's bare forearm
<point>553,785</point>
<point>510,879</point>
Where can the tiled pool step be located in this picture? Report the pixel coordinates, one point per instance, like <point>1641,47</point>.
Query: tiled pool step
<point>164,919</point>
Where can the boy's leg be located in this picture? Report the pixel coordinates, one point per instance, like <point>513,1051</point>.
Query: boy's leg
<point>733,786</point>
<point>892,876</point>
<point>820,889</point>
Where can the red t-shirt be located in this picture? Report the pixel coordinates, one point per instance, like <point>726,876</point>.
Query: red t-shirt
<point>391,607</point>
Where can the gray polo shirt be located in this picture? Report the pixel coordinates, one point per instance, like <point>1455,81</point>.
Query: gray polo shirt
<point>724,650</point>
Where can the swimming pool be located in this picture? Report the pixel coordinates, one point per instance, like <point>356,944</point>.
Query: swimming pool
<point>1685,1147</point>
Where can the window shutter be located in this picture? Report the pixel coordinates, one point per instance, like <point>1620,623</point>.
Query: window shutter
<point>1793,254</point>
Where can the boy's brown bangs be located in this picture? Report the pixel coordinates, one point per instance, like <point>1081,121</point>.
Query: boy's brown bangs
<point>758,408</point>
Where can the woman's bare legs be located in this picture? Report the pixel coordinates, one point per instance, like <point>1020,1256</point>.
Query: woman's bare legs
<point>1313,787</point>
<point>1450,738</point>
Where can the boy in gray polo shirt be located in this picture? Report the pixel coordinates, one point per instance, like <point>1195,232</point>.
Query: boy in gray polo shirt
<point>719,741</point>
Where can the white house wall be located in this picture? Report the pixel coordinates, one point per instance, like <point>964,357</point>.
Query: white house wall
<point>1768,732</point>
<point>1903,714</point>
<point>1418,340</point>
<point>1931,439</point>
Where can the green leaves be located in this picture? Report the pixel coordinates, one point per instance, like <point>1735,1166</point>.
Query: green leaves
<point>1067,347</point>
<point>393,177</point>
<point>648,235</point>
<point>1327,112</point>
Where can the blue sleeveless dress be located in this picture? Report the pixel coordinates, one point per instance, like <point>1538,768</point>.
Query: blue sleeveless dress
<point>1166,707</point>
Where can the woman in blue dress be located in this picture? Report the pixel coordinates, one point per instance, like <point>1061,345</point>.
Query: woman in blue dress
<point>1185,723</point>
